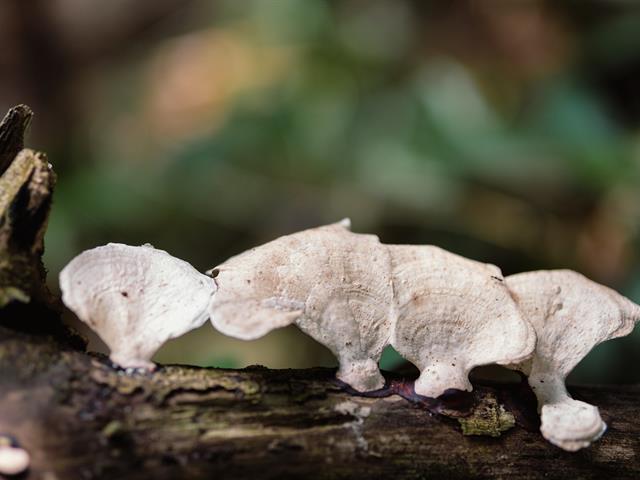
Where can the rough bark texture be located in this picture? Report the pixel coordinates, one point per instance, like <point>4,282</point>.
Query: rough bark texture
<point>26,187</point>
<point>79,417</point>
<point>12,130</point>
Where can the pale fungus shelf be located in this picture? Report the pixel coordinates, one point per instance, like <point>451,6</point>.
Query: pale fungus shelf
<point>353,294</point>
<point>571,314</point>
<point>135,298</point>
<point>451,315</point>
<point>13,459</point>
<point>333,284</point>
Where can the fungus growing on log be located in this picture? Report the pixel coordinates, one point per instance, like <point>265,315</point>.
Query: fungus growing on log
<point>13,459</point>
<point>453,314</point>
<point>135,298</point>
<point>356,295</point>
<point>333,284</point>
<point>571,314</point>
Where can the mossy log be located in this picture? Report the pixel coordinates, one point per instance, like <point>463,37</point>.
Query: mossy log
<point>79,417</point>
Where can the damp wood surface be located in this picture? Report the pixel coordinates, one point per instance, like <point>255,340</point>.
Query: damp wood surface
<point>79,417</point>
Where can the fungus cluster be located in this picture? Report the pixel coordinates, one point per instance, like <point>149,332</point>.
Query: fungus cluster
<point>355,295</point>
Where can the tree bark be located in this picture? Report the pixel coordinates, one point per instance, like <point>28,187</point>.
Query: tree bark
<point>26,188</point>
<point>80,417</point>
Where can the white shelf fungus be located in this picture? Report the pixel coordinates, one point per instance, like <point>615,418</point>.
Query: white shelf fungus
<point>355,295</point>
<point>453,314</point>
<point>13,459</point>
<point>335,285</point>
<point>135,298</point>
<point>571,314</point>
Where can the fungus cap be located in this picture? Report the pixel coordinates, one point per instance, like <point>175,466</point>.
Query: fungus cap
<point>333,284</point>
<point>135,298</point>
<point>14,460</point>
<point>356,295</point>
<point>571,314</point>
<point>453,314</point>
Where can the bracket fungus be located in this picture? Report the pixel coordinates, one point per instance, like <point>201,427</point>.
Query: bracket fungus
<point>356,295</point>
<point>333,284</point>
<point>13,459</point>
<point>571,314</point>
<point>444,313</point>
<point>453,314</point>
<point>135,298</point>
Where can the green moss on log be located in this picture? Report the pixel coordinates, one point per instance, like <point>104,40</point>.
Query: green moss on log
<point>488,418</point>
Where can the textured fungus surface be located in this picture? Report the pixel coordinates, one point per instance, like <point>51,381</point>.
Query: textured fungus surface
<point>571,314</point>
<point>444,313</point>
<point>135,298</point>
<point>355,295</point>
<point>334,284</point>
<point>453,314</point>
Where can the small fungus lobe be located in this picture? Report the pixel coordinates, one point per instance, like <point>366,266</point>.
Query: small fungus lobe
<point>571,314</point>
<point>173,298</point>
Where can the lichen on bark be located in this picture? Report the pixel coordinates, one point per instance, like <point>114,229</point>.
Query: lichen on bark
<point>489,418</point>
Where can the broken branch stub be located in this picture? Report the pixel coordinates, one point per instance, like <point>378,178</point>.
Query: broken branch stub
<point>135,298</point>
<point>571,314</point>
<point>26,187</point>
<point>12,131</point>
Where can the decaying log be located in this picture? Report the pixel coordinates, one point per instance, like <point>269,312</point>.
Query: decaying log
<point>78,417</point>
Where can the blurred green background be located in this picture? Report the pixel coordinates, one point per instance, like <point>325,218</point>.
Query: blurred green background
<point>505,131</point>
